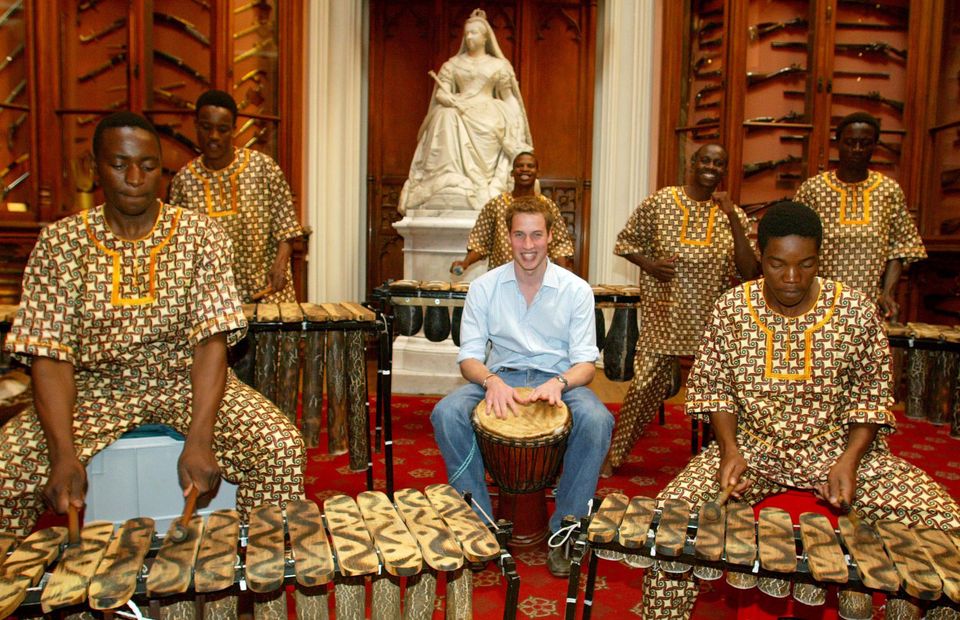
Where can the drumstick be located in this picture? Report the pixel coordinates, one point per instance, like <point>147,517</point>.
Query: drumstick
<point>73,524</point>
<point>178,533</point>
<point>711,510</point>
<point>261,294</point>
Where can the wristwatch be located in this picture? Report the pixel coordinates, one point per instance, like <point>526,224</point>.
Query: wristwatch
<point>563,380</point>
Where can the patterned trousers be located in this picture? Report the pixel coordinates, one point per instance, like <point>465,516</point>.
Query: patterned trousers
<point>652,374</point>
<point>901,492</point>
<point>257,448</point>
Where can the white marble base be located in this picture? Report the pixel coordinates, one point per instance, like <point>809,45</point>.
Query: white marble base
<point>424,367</point>
<point>432,239</point>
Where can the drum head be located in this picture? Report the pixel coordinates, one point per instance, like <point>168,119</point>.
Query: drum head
<point>538,419</point>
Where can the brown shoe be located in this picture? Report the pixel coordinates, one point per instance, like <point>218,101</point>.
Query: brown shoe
<point>557,563</point>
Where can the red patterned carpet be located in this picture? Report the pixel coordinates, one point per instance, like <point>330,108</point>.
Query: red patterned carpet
<point>661,453</point>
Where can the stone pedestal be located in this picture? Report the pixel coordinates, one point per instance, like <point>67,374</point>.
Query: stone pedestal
<point>433,238</point>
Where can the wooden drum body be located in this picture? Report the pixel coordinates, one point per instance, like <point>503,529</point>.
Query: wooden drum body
<point>523,455</point>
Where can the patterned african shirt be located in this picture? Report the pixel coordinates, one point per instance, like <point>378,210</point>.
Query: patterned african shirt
<point>124,313</point>
<point>251,200</point>
<point>671,223</point>
<point>865,225</point>
<point>491,237</point>
<point>795,383</point>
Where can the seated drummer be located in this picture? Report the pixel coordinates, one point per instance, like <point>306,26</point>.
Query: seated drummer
<point>126,315</point>
<point>793,372</point>
<point>539,321</point>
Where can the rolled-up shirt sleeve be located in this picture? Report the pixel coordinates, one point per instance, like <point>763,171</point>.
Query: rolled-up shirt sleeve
<point>474,330</point>
<point>583,331</point>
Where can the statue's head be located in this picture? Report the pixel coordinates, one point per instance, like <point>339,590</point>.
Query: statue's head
<point>477,32</point>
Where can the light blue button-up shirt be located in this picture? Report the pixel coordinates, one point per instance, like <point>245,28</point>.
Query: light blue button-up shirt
<point>555,332</point>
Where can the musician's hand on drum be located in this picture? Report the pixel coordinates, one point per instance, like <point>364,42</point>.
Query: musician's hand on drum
<point>66,484</point>
<point>733,468</point>
<point>841,483</point>
<point>501,398</point>
<point>550,391</point>
<point>664,269</point>
<point>198,467</point>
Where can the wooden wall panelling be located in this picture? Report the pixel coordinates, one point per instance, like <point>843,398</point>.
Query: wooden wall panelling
<point>87,59</point>
<point>402,48</point>
<point>675,60</point>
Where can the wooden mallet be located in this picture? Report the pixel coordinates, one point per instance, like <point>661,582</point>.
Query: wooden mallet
<point>261,294</point>
<point>862,531</point>
<point>73,524</point>
<point>179,532</point>
<point>711,510</point>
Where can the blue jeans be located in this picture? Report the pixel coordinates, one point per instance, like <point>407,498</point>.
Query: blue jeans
<point>586,447</point>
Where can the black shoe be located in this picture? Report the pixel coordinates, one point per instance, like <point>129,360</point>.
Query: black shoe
<point>557,563</point>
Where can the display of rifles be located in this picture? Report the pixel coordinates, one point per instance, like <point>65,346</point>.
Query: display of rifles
<point>873,95</point>
<point>790,117</point>
<point>178,23</point>
<point>180,64</point>
<point>705,91</point>
<point>263,29</point>
<point>880,75</point>
<point>17,51</point>
<point>13,184</point>
<point>16,92</point>
<point>949,177</point>
<point>13,8</point>
<point>261,5</point>
<point>111,62</point>
<point>899,12</point>
<point>764,29</point>
<point>14,129</point>
<point>755,168</point>
<point>170,131</point>
<point>115,105</point>
<point>873,49</point>
<point>250,75</point>
<point>757,78</point>
<point>16,162</point>
<point>869,26</point>
<point>87,5</point>
<point>708,27</point>
<point>106,30</point>
<point>174,100</point>
<point>256,50</point>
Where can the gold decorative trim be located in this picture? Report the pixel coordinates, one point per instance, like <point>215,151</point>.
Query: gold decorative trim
<point>686,220</point>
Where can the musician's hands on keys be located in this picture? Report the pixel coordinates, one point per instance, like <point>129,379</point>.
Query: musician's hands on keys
<point>841,483</point>
<point>66,484</point>
<point>732,469</point>
<point>277,278</point>
<point>550,391</point>
<point>888,307</point>
<point>501,398</point>
<point>664,269</point>
<point>198,467</point>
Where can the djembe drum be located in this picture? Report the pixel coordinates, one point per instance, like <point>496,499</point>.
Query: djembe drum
<point>522,453</point>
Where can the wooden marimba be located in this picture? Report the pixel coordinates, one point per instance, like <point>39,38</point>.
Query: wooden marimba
<point>932,369</point>
<point>904,562</point>
<point>411,541</point>
<point>294,344</point>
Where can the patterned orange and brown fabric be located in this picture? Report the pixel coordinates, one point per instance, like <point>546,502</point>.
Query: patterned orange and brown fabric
<point>251,200</point>
<point>795,383</point>
<point>490,235</point>
<point>865,225</point>
<point>670,223</point>
<point>127,315</point>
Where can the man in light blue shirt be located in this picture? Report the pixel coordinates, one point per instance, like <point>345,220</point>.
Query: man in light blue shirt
<point>538,319</point>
